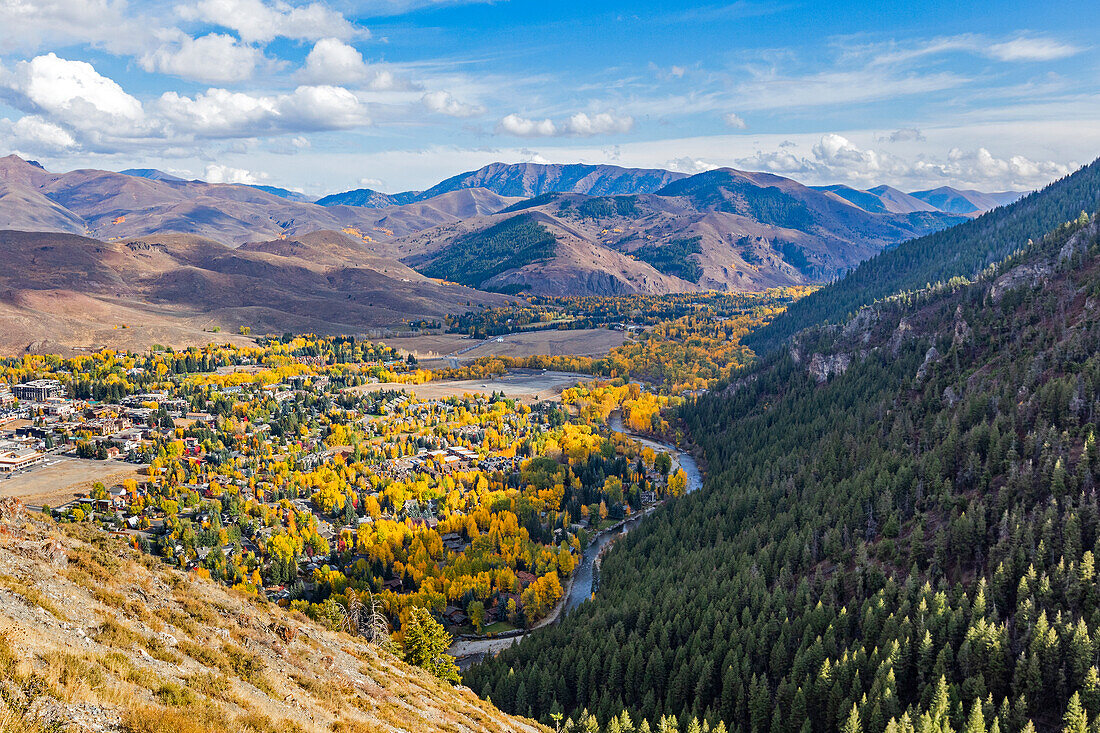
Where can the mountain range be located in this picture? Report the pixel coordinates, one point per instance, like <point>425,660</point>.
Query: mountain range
<point>523,228</point>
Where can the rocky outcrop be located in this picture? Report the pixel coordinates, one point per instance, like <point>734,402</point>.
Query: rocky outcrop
<point>822,367</point>
<point>1025,275</point>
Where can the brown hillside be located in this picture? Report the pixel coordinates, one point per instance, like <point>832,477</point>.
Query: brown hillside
<point>65,291</point>
<point>96,636</point>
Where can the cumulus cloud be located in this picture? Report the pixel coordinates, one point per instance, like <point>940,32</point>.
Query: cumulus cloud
<point>258,22</point>
<point>513,124</point>
<point>73,95</point>
<point>443,103</point>
<point>331,61</point>
<point>579,125</point>
<point>214,58</point>
<point>222,113</point>
<point>334,62</point>
<point>734,121</point>
<point>600,124</point>
<point>216,173</point>
<point>31,132</point>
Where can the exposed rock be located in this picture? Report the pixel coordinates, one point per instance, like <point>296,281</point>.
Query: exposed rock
<point>822,367</point>
<point>930,357</point>
<point>11,511</point>
<point>860,325</point>
<point>949,396</point>
<point>1024,275</point>
<point>55,553</point>
<point>962,328</point>
<point>901,334</point>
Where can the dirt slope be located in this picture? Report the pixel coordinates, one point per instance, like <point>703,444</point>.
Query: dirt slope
<point>96,636</point>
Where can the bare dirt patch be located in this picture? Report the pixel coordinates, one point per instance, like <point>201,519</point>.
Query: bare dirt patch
<point>60,479</point>
<point>528,386</point>
<point>580,342</point>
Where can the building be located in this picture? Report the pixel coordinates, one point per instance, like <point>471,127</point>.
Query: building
<point>15,456</point>
<point>38,390</point>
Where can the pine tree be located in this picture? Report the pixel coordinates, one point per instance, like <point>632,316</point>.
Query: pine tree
<point>1075,720</point>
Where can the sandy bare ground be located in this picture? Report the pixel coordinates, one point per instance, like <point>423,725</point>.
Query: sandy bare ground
<point>582,342</point>
<point>60,479</point>
<point>525,386</point>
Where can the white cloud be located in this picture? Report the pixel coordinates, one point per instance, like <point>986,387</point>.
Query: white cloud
<point>1031,48</point>
<point>442,102</point>
<point>904,135</point>
<point>690,165</point>
<point>734,121</point>
<point>579,125</point>
<point>371,182</point>
<point>331,61</point>
<point>222,113</point>
<point>33,133</point>
<point>216,173</point>
<point>834,158</point>
<point>258,22</point>
<point>73,95</point>
<point>213,58</point>
<point>334,62</point>
<point>1015,171</point>
<point>599,124</point>
<point>513,124</point>
<point>28,24</point>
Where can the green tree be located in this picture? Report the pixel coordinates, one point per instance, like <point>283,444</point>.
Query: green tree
<point>424,643</point>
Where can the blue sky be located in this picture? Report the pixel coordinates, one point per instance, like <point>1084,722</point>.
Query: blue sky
<point>326,95</point>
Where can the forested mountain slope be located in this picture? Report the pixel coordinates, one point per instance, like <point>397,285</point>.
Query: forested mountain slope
<point>898,532</point>
<point>961,250</point>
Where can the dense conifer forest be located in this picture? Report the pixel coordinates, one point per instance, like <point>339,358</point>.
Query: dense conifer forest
<point>962,250</point>
<point>900,524</point>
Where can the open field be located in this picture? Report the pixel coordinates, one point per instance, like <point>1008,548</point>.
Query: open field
<point>581,342</point>
<point>60,479</point>
<point>528,386</point>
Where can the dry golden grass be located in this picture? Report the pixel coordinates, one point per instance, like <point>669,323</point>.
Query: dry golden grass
<point>168,652</point>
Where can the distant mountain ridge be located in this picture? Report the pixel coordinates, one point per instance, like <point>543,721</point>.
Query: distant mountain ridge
<point>954,201</point>
<point>369,198</point>
<point>722,229</point>
<point>109,205</point>
<point>530,180</point>
<point>614,230</point>
<point>525,180</point>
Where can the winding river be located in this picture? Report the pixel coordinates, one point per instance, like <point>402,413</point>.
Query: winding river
<point>579,589</point>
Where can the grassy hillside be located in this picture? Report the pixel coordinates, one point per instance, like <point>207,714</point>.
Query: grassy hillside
<point>476,257</point>
<point>95,635</point>
<point>898,532</point>
<point>963,250</point>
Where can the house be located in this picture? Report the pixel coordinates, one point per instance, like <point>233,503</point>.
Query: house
<point>525,578</point>
<point>455,616</point>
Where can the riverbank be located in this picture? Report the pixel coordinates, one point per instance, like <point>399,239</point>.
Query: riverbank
<point>579,588</point>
